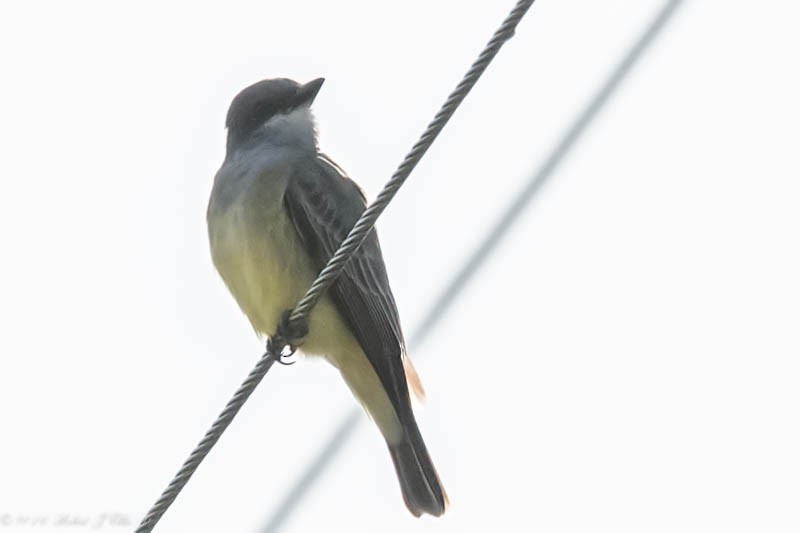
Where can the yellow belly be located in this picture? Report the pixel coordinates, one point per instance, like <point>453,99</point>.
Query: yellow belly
<point>264,267</point>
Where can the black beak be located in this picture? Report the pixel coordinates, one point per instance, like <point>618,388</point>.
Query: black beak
<point>306,93</point>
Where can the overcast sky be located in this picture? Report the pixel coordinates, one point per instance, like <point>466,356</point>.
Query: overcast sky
<point>628,360</point>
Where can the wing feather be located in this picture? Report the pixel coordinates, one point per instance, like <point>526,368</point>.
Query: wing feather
<point>323,205</point>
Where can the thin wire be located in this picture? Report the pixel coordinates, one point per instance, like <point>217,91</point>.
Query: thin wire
<point>335,265</point>
<point>478,258</point>
<point>212,436</point>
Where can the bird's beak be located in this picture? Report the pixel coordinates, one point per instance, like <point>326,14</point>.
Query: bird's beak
<point>306,93</point>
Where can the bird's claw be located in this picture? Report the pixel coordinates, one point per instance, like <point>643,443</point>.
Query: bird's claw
<point>288,338</point>
<point>293,332</point>
<point>280,350</point>
<point>281,357</point>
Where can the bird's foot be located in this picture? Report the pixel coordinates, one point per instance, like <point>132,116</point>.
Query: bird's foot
<point>290,336</point>
<point>280,350</point>
<point>293,332</point>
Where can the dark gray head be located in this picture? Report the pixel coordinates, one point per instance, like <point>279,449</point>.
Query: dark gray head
<point>276,108</point>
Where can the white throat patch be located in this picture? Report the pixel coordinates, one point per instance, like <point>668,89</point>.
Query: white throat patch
<point>297,126</point>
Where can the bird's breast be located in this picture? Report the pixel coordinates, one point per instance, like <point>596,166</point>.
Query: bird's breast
<point>258,254</point>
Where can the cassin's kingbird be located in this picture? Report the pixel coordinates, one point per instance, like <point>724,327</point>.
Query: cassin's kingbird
<point>278,211</point>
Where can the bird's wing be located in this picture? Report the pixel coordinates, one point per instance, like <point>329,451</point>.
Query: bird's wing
<point>323,205</point>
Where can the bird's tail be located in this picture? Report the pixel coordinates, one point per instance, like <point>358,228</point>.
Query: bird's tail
<point>422,490</point>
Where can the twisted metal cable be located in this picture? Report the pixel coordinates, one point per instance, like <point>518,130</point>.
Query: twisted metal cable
<point>209,440</point>
<point>336,264</point>
<point>359,233</point>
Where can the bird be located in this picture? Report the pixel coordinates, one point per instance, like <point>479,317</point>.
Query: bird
<point>278,210</point>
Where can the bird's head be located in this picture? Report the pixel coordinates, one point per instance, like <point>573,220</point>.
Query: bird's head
<point>278,110</point>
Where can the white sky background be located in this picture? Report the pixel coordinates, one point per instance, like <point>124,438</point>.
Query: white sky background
<point>627,361</point>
